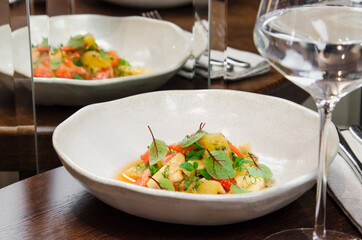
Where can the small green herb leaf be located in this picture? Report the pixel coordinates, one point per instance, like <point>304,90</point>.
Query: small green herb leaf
<point>194,154</point>
<point>141,166</point>
<point>123,62</point>
<point>204,173</point>
<point>188,166</point>
<point>54,63</point>
<point>158,151</point>
<point>166,172</point>
<point>104,55</point>
<point>36,62</point>
<point>263,171</point>
<point>76,41</point>
<point>77,62</point>
<point>166,184</point>
<point>219,165</point>
<point>153,170</point>
<point>44,42</point>
<point>195,165</point>
<point>76,76</point>
<point>91,48</point>
<point>239,161</point>
<point>235,189</point>
<point>198,145</point>
<point>189,141</point>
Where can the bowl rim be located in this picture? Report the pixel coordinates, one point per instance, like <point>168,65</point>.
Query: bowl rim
<point>110,81</point>
<point>252,196</point>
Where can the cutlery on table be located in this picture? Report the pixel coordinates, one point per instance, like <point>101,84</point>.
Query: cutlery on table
<point>356,132</point>
<point>229,61</point>
<point>346,152</point>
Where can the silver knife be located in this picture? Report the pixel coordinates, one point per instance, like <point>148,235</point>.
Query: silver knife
<point>346,152</point>
<point>356,132</point>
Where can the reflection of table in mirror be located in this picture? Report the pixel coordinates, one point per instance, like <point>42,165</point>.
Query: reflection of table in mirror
<point>18,141</point>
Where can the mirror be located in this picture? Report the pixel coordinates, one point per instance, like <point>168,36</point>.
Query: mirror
<point>87,52</point>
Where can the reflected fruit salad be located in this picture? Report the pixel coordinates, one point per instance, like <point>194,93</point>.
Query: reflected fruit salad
<point>82,59</point>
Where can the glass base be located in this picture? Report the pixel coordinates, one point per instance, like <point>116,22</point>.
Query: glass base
<point>307,234</point>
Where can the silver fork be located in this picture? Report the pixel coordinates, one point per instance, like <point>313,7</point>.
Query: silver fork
<point>229,62</point>
<point>152,14</point>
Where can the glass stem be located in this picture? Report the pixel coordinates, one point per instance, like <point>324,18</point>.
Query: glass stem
<point>325,112</point>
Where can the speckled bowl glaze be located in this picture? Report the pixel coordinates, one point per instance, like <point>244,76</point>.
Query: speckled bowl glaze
<point>98,140</point>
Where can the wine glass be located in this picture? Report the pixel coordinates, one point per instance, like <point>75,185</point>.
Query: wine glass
<point>316,44</point>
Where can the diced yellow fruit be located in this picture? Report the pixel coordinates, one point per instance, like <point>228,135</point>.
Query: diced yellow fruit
<point>176,177</point>
<point>172,168</point>
<point>93,61</point>
<point>259,184</point>
<point>129,70</point>
<point>210,187</point>
<point>214,141</point>
<point>90,41</point>
<point>243,180</point>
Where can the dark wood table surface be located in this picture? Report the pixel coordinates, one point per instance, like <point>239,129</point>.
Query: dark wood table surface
<point>53,205</point>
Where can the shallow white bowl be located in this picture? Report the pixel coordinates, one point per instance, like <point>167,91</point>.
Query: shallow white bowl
<point>100,139</point>
<point>159,45</point>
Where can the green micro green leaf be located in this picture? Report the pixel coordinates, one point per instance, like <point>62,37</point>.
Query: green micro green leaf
<point>166,172</point>
<point>219,165</point>
<point>36,62</point>
<point>141,167</point>
<point>158,151</point>
<point>55,63</point>
<point>44,42</point>
<point>189,141</point>
<point>77,63</point>
<point>76,41</point>
<point>104,55</point>
<point>239,161</point>
<point>194,154</point>
<point>167,184</point>
<point>153,169</point>
<point>235,189</point>
<point>204,173</point>
<point>198,145</point>
<point>123,62</point>
<point>195,165</point>
<point>91,48</point>
<point>188,166</point>
<point>76,76</point>
<point>263,171</point>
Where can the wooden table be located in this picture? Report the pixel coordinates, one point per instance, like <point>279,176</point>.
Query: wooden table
<point>17,147</point>
<point>52,205</point>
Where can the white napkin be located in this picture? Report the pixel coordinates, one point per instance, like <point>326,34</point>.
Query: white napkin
<point>345,185</point>
<point>258,65</point>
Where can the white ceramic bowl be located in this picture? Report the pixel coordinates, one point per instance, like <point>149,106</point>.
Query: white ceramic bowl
<point>100,139</point>
<point>159,45</point>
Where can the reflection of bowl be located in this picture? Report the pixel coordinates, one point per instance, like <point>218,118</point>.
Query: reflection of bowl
<point>100,139</point>
<point>159,45</point>
<point>151,3</point>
